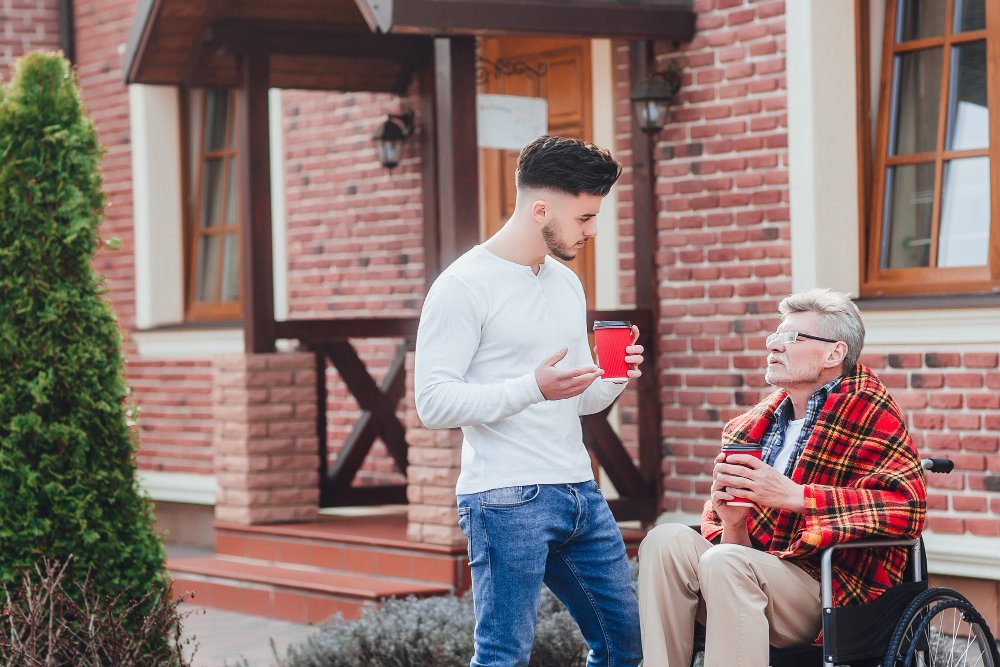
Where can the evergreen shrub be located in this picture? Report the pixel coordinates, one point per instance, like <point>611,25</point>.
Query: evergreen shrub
<point>435,631</point>
<point>68,489</point>
<point>418,632</point>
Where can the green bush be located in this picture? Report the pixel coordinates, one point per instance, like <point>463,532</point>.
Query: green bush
<point>433,631</point>
<point>417,632</point>
<point>67,473</point>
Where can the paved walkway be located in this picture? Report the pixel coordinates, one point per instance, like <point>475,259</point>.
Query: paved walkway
<point>226,636</point>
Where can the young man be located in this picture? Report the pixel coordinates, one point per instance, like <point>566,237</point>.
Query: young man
<point>502,352</point>
<point>838,465</point>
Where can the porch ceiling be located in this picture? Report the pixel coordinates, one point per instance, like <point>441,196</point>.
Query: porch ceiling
<point>372,45</point>
<point>317,44</point>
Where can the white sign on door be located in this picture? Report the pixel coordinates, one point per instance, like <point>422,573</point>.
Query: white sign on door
<point>510,121</point>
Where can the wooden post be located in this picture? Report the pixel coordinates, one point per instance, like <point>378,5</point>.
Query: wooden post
<point>457,148</point>
<point>256,263</point>
<point>646,297</point>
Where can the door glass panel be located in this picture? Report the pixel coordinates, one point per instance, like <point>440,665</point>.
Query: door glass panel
<point>920,18</point>
<point>231,194</point>
<point>216,106</point>
<point>965,213</point>
<point>968,113</point>
<point>916,105</point>
<point>208,268</point>
<point>909,203</point>
<point>970,15</point>
<point>211,193</point>
<point>230,270</point>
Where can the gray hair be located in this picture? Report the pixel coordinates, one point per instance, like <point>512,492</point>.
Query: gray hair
<point>839,318</point>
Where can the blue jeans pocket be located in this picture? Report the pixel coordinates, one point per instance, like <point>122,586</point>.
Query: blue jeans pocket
<point>464,523</point>
<point>509,496</point>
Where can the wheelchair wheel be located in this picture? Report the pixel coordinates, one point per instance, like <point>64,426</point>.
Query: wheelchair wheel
<point>941,628</point>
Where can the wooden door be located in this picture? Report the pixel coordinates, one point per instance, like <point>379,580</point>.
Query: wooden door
<point>565,85</point>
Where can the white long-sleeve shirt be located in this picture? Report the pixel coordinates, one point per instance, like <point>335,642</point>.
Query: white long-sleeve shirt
<point>487,323</point>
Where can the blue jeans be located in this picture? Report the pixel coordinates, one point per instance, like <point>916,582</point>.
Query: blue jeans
<point>562,535</point>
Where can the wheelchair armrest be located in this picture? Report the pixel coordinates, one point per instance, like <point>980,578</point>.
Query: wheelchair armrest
<point>826,563</point>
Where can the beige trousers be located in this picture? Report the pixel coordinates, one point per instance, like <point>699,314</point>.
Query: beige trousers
<point>747,600</point>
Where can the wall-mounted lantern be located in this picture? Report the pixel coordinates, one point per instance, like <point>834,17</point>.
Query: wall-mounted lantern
<point>390,136</point>
<point>651,98</point>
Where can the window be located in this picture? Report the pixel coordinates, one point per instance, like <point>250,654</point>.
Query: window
<point>934,215</point>
<point>212,198</point>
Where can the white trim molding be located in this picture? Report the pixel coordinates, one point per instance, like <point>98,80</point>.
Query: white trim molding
<point>939,327</point>
<point>971,556</point>
<point>188,343</point>
<point>822,144</point>
<point>178,487</point>
<point>154,119</point>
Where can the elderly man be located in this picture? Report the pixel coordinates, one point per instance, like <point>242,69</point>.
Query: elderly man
<point>838,465</point>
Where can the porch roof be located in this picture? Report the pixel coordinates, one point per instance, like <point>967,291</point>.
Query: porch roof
<point>370,45</point>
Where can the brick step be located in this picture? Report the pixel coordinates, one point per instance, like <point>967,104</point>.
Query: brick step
<point>294,594</point>
<point>376,546</point>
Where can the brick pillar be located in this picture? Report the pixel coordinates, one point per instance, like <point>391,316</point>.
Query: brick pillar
<point>434,461</point>
<point>266,448</point>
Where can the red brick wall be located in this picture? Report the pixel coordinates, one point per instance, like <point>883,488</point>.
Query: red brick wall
<point>26,25</point>
<point>175,414</point>
<point>355,235</point>
<point>723,239</point>
<point>952,404</point>
<point>722,231</point>
<point>101,28</point>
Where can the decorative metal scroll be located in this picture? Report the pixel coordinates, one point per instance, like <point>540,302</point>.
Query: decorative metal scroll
<point>498,69</point>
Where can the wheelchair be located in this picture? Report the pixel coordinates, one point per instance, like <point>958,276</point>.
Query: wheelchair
<point>910,625</point>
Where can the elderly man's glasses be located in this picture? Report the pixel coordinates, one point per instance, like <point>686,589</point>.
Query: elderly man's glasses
<point>787,337</point>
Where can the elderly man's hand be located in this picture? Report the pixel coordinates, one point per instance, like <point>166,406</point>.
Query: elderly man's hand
<point>756,480</point>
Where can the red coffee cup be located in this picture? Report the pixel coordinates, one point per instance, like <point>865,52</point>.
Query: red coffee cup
<point>742,448</point>
<point>612,337</point>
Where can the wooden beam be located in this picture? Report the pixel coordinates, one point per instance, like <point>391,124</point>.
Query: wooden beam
<point>350,457</point>
<point>633,509</point>
<point>644,209</point>
<point>606,445</point>
<point>457,146</point>
<point>256,263</point>
<point>242,36</point>
<point>383,494</point>
<point>634,19</point>
<point>327,330</point>
<point>427,81</point>
<point>379,400</point>
<point>321,424</point>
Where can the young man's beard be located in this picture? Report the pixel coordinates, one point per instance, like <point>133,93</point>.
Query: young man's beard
<point>553,242</point>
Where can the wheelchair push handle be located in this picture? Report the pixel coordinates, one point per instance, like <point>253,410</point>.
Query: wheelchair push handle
<point>937,465</point>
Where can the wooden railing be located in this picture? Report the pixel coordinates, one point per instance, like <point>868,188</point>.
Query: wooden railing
<point>330,340</point>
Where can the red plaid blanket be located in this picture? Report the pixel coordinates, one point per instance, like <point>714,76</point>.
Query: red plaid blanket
<point>862,480</point>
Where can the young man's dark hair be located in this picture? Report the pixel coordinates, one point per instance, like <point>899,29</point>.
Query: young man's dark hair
<point>567,165</point>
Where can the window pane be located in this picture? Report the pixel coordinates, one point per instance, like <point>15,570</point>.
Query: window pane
<point>211,194</point>
<point>231,195</point>
<point>207,269</point>
<point>195,111</point>
<point>230,108</point>
<point>965,213</point>
<point>970,15</point>
<point>968,113</point>
<point>920,18</point>
<point>916,105</point>
<point>909,203</point>
<point>216,105</point>
<point>230,269</point>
